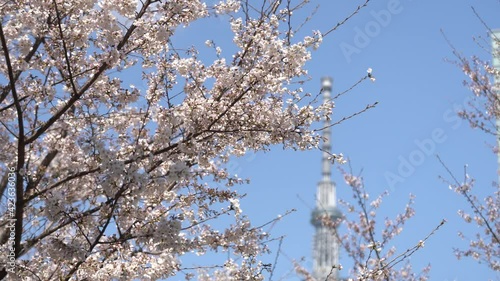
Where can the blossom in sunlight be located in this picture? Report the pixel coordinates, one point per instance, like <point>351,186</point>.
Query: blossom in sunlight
<point>370,75</point>
<point>421,244</point>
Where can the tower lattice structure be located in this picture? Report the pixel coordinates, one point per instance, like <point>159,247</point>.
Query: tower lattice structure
<point>326,245</point>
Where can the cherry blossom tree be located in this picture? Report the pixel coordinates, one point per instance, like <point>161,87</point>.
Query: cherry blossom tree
<point>482,112</point>
<point>107,180</point>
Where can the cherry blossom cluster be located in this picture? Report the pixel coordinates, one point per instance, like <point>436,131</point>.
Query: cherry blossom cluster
<point>483,107</point>
<point>484,245</point>
<point>118,179</point>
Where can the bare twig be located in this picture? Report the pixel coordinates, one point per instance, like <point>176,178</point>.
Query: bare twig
<point>368,107</point>
<point>347,18</point>
<point>471,202</point>
<point>412,250</point>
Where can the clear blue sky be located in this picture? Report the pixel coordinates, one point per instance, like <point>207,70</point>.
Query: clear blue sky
<point>415,88</point>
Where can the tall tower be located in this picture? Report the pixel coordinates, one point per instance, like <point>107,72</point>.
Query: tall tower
<point>326,246</point>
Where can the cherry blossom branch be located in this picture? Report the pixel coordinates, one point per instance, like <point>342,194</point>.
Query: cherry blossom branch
<point>65,49</point>
<point>482,21</point>
<point>103,229</point>
<point>347,18</point>
<point>412,250</point>
<point>307,19</point>
<point>276,258</point>
<point>361,198</point>
<point>475,208</point>
<point>352,87</point>
<point>29,244</point>
<point>368,107</point>
<point>483,113</point>
<point>317,96</point>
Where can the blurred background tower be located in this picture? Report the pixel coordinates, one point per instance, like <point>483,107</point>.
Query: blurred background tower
<point>326,246</point>
<point>495,51</point>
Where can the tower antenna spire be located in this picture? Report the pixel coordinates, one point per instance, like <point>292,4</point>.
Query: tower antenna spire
<point>326,246</point>
<point>326,88</point>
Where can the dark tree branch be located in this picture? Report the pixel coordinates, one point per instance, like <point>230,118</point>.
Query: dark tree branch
<point>20,154</point>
